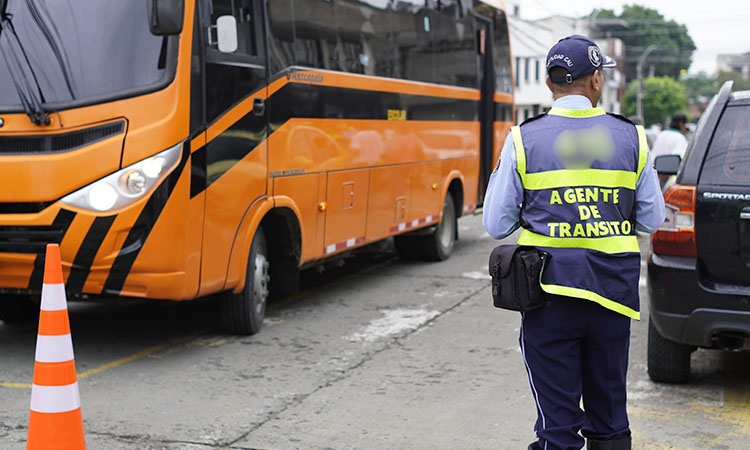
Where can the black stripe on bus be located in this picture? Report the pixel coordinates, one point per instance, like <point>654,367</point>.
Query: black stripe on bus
<point>62,221</point>
<point>81,267</point>
<point>300,100</point>
<point>142,228</point>
<point>198,171</point>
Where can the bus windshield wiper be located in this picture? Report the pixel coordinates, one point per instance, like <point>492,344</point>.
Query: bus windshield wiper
<point>60,57</point>
<point>31,97</point>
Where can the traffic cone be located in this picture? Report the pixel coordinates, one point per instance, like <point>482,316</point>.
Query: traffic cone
<point>55,422</point>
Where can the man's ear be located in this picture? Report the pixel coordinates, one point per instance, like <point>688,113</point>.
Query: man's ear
<point>549,84</point>
<point>597,80</point>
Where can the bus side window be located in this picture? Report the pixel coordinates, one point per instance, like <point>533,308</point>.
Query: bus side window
<point>316,42</point>
<point>367,30</point>
<point>454,47</point>
<point>281,34</point>
<point>501,55</point>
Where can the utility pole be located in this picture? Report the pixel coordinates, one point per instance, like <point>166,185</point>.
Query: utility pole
<point>639,72</point>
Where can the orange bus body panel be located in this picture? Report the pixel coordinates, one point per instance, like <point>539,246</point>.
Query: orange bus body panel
<point>227,201</point>
<point>390,199</point>
<point>346,215</point>
<point>301,194</point>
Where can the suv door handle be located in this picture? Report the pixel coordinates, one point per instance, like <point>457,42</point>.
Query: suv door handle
<point>745,213</point>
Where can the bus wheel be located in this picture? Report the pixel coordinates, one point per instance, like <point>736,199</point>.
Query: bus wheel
<point>243,313</point>
<point>16,308</point>
<point>438,246</point>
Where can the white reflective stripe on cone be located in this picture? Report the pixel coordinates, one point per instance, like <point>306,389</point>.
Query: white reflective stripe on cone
<point>53,297</point>
<point>55,399</point>
<point>52,349</point>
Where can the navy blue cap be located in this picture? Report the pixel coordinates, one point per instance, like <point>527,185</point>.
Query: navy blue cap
<point>579,55</point>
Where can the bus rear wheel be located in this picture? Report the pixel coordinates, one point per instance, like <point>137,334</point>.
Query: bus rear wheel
<point>438,246</point>
<point>243,313</point>
<point>17,308</point>
<point>435,246</point>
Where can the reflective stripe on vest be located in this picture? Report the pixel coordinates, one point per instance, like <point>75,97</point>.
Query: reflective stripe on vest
<point>594,297</point>
<point>515,131</point>
<point>608,244</point>
<point>642,149</point>
<point>593,112</point>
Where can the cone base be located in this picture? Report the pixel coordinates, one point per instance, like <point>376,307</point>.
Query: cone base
<point>56,431</point>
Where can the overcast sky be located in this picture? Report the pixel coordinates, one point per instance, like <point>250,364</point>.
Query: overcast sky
<point>716,26</point>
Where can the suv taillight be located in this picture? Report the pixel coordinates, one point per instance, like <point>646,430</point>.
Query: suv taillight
<point>677,235</point>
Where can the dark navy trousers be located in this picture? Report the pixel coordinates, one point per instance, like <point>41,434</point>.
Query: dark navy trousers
<point>573,348</point>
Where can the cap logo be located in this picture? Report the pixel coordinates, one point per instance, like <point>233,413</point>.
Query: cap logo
<point>595,56</point>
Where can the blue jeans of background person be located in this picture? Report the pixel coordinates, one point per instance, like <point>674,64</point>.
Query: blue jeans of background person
<point>573,347</point>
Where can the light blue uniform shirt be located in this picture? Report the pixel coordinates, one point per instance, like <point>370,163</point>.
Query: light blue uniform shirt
<point>504,196</point>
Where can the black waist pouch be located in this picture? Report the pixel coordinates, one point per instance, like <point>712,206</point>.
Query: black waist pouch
<point>516,272</point>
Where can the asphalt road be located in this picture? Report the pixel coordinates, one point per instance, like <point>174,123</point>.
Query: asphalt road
<point>377,354</point>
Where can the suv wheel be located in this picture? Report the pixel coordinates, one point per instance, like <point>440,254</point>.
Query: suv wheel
<point>668,361</point>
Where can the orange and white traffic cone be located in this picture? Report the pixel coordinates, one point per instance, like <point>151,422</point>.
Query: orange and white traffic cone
<point>55,422</point>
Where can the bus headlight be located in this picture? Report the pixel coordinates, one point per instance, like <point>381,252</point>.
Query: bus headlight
<point>102,196</point>
<point>127,185</point>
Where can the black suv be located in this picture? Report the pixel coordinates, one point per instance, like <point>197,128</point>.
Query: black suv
<point>699,267</point>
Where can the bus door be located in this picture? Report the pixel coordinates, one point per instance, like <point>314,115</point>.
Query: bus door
<point>237,127</point>
<point>486,104</point>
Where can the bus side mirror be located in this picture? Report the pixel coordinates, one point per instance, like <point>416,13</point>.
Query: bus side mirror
<point>226,34</point>
<point>667,164</point>
<point>165,16</point>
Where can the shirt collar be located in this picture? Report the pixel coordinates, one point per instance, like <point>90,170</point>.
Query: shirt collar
<point>572,102</point>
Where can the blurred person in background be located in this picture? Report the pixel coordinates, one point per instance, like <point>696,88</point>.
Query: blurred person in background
<point>672,141</point>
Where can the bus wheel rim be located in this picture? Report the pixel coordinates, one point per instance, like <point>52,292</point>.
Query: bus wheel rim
<point>260,282</point>
<point>446,233</point>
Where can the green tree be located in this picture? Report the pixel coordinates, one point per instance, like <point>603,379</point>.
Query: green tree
<point>662,97</point>
<point>699,86</point>
<point>739,83</point>
<point>699,90</point>
<point>644,27</point>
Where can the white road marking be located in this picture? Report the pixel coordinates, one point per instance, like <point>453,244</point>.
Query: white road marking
<point>476,275</point>
<point>393,322</point>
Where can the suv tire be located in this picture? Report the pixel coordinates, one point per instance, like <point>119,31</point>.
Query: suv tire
<point>668,361</point>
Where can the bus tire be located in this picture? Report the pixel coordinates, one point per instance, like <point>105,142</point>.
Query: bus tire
<point>438,245</point>
<point>17,308</point>
<point>243,313</point>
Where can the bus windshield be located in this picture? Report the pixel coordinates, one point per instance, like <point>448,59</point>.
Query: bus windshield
<point>80,52</point>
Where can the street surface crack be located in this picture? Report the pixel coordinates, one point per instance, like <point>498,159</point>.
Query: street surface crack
<point>346,372</point>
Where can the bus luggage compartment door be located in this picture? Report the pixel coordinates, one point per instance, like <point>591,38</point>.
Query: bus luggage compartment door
<point>346,216</point>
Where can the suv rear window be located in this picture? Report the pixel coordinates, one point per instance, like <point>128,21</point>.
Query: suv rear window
<point>728,158</point>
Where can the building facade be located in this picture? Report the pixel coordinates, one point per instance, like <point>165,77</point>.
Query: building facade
<point>738,62</point>
<point>529,46</point>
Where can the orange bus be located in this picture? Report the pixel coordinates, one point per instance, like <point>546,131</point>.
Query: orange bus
<point>177,149</point>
